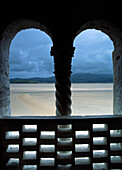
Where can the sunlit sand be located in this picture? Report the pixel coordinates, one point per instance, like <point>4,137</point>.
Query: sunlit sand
<point>39,99</point>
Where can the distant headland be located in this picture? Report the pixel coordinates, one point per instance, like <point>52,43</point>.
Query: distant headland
<point>75,78</point>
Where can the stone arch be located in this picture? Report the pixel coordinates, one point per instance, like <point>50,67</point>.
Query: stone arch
<point>105,26</point>
<point>116,36</point>
<point>5,40</point>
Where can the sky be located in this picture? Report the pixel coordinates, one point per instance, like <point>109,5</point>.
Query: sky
<point>30,54</point>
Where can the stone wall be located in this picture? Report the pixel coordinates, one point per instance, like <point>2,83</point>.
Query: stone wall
<point>117,81</point>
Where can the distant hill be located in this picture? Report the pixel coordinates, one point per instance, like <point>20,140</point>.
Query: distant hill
<point>75,78</point>
<point>91,78</point>
<point>33,80</point>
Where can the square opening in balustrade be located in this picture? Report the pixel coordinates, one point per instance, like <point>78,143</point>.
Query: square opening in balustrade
<point>29,141</point>
<point>12,148</point>
<point>29,155</point>
<point>99,141</point>
<point>116,159</point>
<point>29,128</point>
<point>47,162</point>
<point>29,167</point>
<point>115,147</point>
<point>82,148</point>
<point>82,134</point>
<point>65,167</point>
<point>100,166</point>
<point>100,153</point>
<point>64,155</point>
<point>47,135</point>
<point>100,127</point>
<point>64,128</point>
<point>64,142</point>
<point>47,148</point>
<point>116,133</point>
<point>12,135</point>
<point>13,162</point>
<point>82,161</point>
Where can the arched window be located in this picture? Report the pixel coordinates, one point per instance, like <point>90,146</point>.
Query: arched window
<point>92,88</point>
<point>31,74</point>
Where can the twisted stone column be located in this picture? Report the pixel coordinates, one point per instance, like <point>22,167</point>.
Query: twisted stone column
<point>62,66</point>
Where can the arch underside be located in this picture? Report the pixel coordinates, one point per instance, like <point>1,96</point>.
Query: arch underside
<point>105,26</point>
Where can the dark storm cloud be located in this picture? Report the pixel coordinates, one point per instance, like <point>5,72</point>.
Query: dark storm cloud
<point>30,54</point>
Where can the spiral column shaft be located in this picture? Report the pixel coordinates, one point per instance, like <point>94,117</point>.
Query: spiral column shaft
<point>62,66</point>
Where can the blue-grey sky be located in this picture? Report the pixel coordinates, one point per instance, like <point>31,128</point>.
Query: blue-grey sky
<point>30,54</point>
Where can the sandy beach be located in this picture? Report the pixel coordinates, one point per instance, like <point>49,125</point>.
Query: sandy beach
<point>39,99</point>
<point>32,99</point>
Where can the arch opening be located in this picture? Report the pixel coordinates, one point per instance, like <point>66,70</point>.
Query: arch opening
<point>31,74</point>
<point>115,35</point>
<point>92,88</point>
<point>6,38</point>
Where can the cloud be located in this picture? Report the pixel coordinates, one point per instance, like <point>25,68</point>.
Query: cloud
<point>93,53</point>
<point>30,38</point>
<point>30,54</point>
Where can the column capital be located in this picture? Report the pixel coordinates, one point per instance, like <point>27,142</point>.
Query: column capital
<point>60,52</point>
<point>62,60</point>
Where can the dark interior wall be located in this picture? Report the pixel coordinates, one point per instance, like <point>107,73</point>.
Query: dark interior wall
<point>62,18</point>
